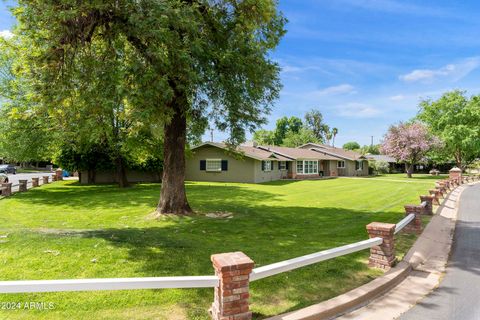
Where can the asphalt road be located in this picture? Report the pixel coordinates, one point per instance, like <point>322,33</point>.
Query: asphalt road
<point>458,296</point>
<point>13,178</point>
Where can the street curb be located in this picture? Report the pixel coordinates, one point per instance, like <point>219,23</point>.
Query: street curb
<point>352,299</point>
<point>416,259</point>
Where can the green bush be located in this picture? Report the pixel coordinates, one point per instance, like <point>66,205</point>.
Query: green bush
<point>380,167</point>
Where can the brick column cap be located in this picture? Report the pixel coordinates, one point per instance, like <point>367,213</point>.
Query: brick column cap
<point>231,261</point>
<point>455,169</point>
<point>381,226</point>
<point>22,181</point>
<point>426,196</point>
<point>35,178</point>
<point>7,184</point>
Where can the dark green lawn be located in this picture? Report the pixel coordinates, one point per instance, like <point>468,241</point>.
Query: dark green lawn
<point>65,230</point>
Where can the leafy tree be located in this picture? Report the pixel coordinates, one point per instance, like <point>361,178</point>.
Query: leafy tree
<point>164,62</point>
<point>370,149</point>
<point>352,145</point>
<point>26,132</point>
<point>455,119</point>
<point>408,143</point>
<point>296,139</point>
<point>314,121</point>
<point>264,137</point>
<point>285,125</point>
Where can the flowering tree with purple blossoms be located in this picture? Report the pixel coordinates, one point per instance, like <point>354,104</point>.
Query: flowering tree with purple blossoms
<point>408,143</point>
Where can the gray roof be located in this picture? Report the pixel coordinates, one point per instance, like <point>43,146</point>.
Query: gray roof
<point>380,157</point>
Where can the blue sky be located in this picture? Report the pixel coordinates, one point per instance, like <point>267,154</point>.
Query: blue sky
<point>366,63</point>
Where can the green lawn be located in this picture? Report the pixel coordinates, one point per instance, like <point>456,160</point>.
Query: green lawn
<point>65,230</point>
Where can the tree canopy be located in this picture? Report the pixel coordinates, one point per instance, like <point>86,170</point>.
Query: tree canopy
<point>351,145</point>
<point>408,143</point>
<point>455,119</point>
<point>167,64</point>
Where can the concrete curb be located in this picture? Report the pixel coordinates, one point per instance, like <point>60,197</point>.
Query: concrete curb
<point>352,299</point>
<point>428,255</point>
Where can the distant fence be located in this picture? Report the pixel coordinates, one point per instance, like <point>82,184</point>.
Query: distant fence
<point>234,271</point>
<point>23,185</point>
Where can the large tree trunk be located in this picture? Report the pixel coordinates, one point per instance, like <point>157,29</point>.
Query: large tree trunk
<point>409,169</point>
<point>91,176</point>
<point>173,198</point>
<point>121,172</point>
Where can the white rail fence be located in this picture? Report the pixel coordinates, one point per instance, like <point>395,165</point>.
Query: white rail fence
<point>26,286</point>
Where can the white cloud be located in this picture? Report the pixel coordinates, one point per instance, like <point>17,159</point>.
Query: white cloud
<point>358,110</point>
<point>453,71</point>
<point>398,97</point>
<point>340,89</point>
<point>7,34</point>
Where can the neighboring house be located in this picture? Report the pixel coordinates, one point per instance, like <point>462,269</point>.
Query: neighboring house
<point>394,165</point>
<point>213,161</point>
<point>349,163</point>
<point>251,163</point>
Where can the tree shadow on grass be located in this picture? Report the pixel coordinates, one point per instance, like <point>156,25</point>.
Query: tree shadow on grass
<point>268,235</point>
<point>201,196</point>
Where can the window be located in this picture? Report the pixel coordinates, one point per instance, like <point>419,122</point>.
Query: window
<point>214,165</point>
<point>359,165</point>
<point>307,167</point>
<point>341,164</point>
<point>300,167</point>
<point>282,165</point>
<point>267,165</point>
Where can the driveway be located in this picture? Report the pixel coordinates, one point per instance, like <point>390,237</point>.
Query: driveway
<point>457,297</point>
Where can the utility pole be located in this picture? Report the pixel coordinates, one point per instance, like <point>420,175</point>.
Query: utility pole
<point>372,141</point>
<point>211,135</point>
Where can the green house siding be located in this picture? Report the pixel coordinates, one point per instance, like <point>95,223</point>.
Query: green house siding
<point>237,170</point>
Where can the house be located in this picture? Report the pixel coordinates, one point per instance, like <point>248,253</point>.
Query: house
<point>251,163</point>
<point>212,161</point>
<point>349,163</point>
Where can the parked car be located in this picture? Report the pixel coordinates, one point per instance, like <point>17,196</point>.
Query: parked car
<point>8,168</point>
<point>3,178</point>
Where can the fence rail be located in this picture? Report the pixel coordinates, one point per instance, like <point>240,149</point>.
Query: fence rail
<point>287,265</point>
<point>404,222</point>
<point>108,284</point>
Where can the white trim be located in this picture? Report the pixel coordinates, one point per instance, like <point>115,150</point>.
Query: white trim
<point>109,284</point>
<point>287,265</point>
<point>338,167</point>
<point>270,164</point>
<point>404,222</point>
<point>213,170</point>
<point>303,167</point>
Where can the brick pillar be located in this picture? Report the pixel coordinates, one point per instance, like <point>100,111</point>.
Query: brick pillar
<point>382,256</point>
<point>22,185</point>
<point>416,225</point>
<point>54,178</point>
<point>45,179</point>
<point>7,189</point>
<point>455,172</point>
<point>429,207</point>
<point>436,196</point>
<point>441,186</point>
<point>35,182</point>
<point>447,185</point>
<point>231,296</point>
<point>441,191</point>
<point>59,174</point>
